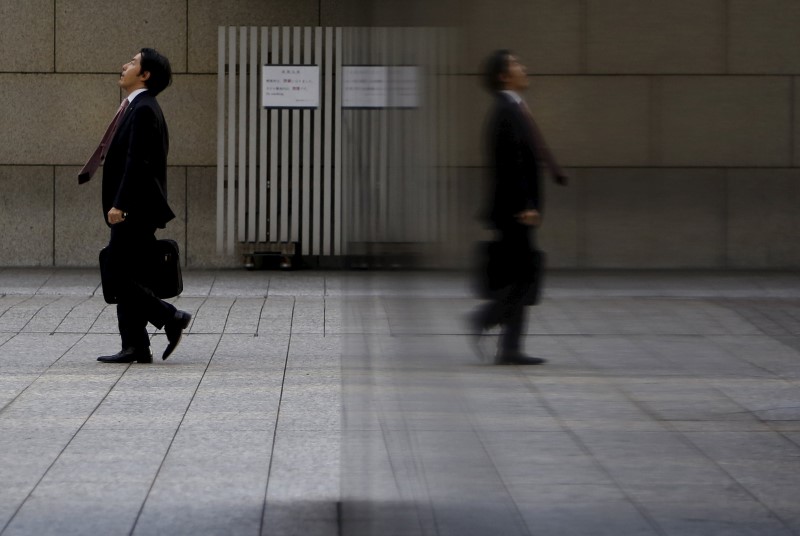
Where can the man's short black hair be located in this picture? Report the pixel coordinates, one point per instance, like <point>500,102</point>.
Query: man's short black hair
<point>496,65</point>
<point>158,67</point>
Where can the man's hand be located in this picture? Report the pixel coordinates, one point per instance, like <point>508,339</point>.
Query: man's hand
<point>531,218</point>
<point>115,215</point>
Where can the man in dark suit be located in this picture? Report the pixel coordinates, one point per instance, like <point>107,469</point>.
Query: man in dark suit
<point>135,205</point>
<point>515,150</point>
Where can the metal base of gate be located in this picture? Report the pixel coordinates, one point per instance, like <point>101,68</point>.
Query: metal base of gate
<point>271,255</point>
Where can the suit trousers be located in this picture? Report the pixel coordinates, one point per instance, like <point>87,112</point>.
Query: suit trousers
<point>507,307</point>
<point>132,246</point>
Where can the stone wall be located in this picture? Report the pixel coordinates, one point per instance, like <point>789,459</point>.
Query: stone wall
<point>676,118</point>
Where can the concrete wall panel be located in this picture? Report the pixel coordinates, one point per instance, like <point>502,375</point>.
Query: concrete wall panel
<point>26,215</point>
<point>28,23</point>
<point>679,36</point>
<point>725,121</point>
<point>763,36</point>
<point>205,16</point>
<point>418,13</point>
<point>472,105</point>
<point>649,218</point>
<point>80,229</point>
<point>190,109</point>
<point>598,121</point>
<point>201,221</point>
<point>545,34</point>
<point>764,222</point>
<point>344,13</point>
<point>101,36</point>
<point>55,119</point>
<point>559,233</point>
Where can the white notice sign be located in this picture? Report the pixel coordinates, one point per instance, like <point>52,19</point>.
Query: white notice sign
<point>290,86</point>
<point>380,86</point>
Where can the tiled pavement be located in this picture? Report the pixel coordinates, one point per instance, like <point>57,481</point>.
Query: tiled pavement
<point>331,403</point>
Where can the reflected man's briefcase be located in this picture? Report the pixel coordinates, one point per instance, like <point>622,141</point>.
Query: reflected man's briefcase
<point>163,275</point>
<point>497,268</point>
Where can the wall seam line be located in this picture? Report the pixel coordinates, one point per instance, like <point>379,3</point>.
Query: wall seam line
<point>53,254</point>
<point>792,119</point>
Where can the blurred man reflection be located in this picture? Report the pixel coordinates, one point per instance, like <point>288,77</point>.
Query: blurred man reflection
<point>515,150</point>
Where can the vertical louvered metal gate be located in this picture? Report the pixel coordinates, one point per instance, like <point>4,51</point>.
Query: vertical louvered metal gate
<point>331,177</point>
<point>275,165</point>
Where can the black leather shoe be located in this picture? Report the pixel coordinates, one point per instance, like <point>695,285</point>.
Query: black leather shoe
<point>518,359</point>
<point>129,355</point>
<point>174,330</point>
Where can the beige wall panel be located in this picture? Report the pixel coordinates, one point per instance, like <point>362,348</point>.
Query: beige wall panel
<point>344,13</point>
<point>465,204</point>
<point>190,109</point>
<point>725,121</point>
<point>80,229</point>
<point>55,119</point>
<point>473,103</point>
<point>205,16</point>
<point>597,121</point>
<point>635,36</point>
<point>445,13</point>
<point>640,218</point>
<point>96,36</point>
<point>764,36</point>
<point>593,121</point>
<point>558,236</point>
<point>201,221</point>
<point>763,220</point>
<point>28,23</point>
<point>26,216</point>
<point>545,34</point>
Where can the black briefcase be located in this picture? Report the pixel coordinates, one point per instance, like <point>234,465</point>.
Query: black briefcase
<point>162,275</point>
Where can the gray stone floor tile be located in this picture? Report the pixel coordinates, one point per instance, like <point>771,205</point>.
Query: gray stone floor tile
<point>197,283</point>
<point>23,281</point>
<point>304,516</point>
<point>308,315</point>
<point>693,518</point>
<point>244,315</point>
<point>306,467</point>
<point>82,316</point>
<point>248,352</point>
<point>598,518</point>
<point>668,406</point>
<point>296,284</point>
<point>233,283</point>
<point>276,315</point>
<point>79,508</point>
<point>211,483</point>
<point>211,316</point>
<point>77,282</point>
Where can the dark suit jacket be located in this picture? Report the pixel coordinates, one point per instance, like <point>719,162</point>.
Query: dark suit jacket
<point>135,168</point>
<point>513,162</point>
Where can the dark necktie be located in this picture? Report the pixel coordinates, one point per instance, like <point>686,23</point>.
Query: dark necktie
<point>540,146</point>
<point>100,153</point>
